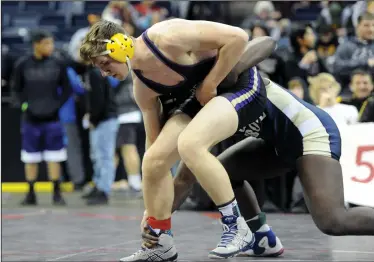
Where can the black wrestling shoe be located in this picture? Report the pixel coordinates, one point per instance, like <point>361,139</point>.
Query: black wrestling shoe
<point>97,198</point>
<point>29,200</point>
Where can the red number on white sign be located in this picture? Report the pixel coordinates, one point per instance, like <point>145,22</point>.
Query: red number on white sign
<point>360,151</point>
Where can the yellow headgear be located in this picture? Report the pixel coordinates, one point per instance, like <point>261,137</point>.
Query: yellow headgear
<point>120,47</point>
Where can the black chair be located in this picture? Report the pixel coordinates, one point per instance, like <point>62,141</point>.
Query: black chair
<point>95,6</point>
<point>10,7</point>
<point>12,40</point>
<point>67,33</point>
<point>37,6</point>
<point>56,20</point>
<point>79,21</point>
<point>25,20</point>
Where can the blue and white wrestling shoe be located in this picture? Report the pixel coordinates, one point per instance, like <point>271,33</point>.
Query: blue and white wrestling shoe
<point>266,244</point>
<point>236,237</point>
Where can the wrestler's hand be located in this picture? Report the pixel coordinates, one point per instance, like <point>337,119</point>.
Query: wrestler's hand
<point>149,240</point>
<point>143,224</point>
<point>204,95</point>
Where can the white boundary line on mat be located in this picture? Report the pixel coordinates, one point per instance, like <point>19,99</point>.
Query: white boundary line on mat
<point>115,245</point>
<point>92,250</point>
<point>353,252</point>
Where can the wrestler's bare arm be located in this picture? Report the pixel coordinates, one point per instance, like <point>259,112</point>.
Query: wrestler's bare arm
<point>256,51</point>
<point>198,36</point>
<point>149,105</point>
<point>183,184</point>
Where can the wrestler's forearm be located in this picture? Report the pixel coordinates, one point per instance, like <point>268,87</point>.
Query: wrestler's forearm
<point>256,51</point>
<point>183,183</point>
<point>228,57</point>
<point>181,192</point>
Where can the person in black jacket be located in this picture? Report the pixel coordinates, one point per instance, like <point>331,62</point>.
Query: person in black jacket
<point>103,124</point>
<point>303,61</point>
<point>367,110</point>
<point>272,67</point>
<point>362,88</point>
<point>40,86</point>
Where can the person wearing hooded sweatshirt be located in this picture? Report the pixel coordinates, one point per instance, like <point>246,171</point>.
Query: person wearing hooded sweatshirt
<point>357,53</point>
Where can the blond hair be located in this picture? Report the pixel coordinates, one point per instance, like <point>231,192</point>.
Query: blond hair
<point>294,83</point>
<point>101,30</point>
<point>317,82</point>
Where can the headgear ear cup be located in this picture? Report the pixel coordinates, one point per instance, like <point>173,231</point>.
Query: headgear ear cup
<point>120,47</point>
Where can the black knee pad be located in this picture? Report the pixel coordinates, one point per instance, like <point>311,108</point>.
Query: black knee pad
<point>236,183</point>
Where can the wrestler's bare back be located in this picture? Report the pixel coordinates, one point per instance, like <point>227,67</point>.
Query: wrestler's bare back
<point>165,37</point>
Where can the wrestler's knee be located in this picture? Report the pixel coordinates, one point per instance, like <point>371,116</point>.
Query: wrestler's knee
<point>330,221</point>
<point>188,147</point>
<point>154,164</point>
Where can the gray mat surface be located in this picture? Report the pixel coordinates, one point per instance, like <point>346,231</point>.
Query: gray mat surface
<point>107,233</point>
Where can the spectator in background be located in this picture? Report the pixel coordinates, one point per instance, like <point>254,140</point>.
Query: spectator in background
<point>332,16</point>
<point>129,117</point>
<point>148,13</point>
<point>297,86</point>
<point>7,64</point>
<point>102,121</point>
<point>303,61</point>
<point>118,12</point>
<point>139,16</point>
<point>36,82</point>
<point>272,67</point>
<point>78,37</point>
<point>285,30</point>
<point>358,52</point>
<point>327,41</point>
<point>359,8</point>
<point>324,90</point>
<point>361,87</point>
<point>265,12</point>
<point>367,110</point>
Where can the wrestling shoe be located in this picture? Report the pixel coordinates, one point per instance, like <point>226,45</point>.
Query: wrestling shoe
<point>165,250</point>
<point>266,244</point>
<point>236,237</point>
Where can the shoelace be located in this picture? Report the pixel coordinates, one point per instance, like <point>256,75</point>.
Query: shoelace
<point>229,234</point>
